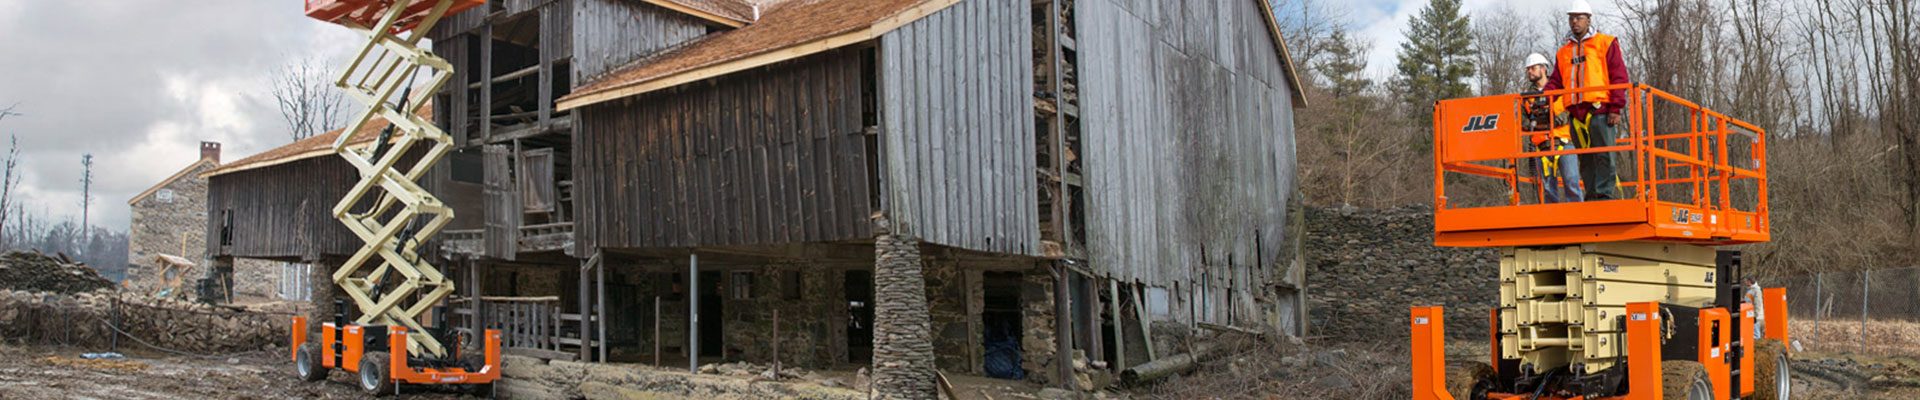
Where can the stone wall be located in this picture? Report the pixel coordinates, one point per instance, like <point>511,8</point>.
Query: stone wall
<point>88,319</point>
<point>1037,345</point>
<point>1367,267</point>
<point>954,300</point>
<point>163,223</point>
<point>813,319</point>
<point>903,354</point>
<point>257,279</point>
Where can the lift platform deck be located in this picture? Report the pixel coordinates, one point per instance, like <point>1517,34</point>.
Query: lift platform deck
<point>367,13</point>
<point>1686,174</point>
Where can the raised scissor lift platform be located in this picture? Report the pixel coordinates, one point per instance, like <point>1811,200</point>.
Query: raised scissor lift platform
<point>1690,179</point>
<point>1701,182</point>
<point>387,280</point>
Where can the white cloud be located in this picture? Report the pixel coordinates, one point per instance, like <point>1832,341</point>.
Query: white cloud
<point>1388,31</point>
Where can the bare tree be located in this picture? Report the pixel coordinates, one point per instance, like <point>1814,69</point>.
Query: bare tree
<point>308,101</point>
<point>10,178</point>
<point>1505,38</point>
<point>1308,27</point>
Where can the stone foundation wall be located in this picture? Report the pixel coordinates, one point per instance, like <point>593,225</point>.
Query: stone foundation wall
<point>813,319</point>
<point>1036,317</point>
<point>257,279</point>
<point>955,298</point>
<point>1368,266</point>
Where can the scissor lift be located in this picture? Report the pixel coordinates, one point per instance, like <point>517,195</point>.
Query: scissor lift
<point>1622,298</point>
<point>387,280</point>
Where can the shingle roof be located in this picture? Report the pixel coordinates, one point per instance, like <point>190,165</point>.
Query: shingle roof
<point>785,30</point>
<point>310,147</point>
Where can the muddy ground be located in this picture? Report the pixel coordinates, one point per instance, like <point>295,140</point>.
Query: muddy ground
<point>41,372</point>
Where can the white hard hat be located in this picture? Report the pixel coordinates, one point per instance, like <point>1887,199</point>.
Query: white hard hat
<point>1535,59</point>
<point>1580,7</point>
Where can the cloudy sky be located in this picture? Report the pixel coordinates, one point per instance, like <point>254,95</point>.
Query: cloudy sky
<point>1384,22</point>
<point>139,84</point>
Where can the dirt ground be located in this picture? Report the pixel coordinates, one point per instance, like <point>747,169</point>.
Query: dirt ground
<point>40,372</point>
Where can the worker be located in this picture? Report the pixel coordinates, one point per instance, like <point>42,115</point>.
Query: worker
<point>1559,175</point>
<point>1591,59</point>
<point>1752,296</point>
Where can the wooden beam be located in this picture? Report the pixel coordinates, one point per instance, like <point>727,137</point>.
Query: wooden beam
<point>1119,326</point>
<point>522,73</point>
<point>698,13</point>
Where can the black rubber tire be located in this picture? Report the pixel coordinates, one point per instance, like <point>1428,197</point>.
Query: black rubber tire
<point>1685,380</point>
<point>307,365</point>
<point>375,379</point>
<point>1773,371</point>
<point>1470,380</point>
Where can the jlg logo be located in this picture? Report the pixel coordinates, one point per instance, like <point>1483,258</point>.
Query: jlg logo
<point>1482,123</point>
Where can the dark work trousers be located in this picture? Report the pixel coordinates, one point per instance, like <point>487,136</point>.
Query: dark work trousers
<point>1596,169</point>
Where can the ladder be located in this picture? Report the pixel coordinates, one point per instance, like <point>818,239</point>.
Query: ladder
<point>387,209</point>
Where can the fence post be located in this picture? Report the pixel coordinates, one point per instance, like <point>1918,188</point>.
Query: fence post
<point>1865,278</point>
<point>1817,304</point>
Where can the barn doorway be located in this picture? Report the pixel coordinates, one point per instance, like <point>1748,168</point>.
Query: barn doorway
<point>859,293</point>
<point>712,299</point>
<point>1001,318</point>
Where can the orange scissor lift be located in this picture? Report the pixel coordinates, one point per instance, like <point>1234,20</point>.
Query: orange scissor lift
<point>1624,298</point>
<point>390,285</point>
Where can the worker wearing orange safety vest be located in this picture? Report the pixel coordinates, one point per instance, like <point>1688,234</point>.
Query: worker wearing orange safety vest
<point>1559,175</point>
<point>1589,59</point>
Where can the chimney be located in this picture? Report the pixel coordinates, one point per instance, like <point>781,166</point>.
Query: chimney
<point>210,150</point>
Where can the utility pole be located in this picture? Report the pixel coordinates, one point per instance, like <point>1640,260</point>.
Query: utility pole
<point>86,193</point>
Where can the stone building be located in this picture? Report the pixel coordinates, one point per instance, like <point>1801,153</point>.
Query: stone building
<point>170,218</point>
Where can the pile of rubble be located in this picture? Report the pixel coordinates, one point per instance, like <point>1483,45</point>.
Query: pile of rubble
<point>93,319</point>
<point>1369,265</point>
<point>32,271</point>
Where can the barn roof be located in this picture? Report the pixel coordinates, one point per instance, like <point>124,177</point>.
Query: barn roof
<point>310,147</point>
<point>785,30</point>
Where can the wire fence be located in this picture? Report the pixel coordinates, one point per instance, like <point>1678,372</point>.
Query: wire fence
<point>1868,310</point>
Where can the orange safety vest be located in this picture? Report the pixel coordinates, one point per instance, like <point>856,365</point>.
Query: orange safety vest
<point>1592,71</point>
<point>1554,108</point>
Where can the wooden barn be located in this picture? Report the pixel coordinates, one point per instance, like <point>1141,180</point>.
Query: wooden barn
<point>688,181</point>
<point>276,206</point>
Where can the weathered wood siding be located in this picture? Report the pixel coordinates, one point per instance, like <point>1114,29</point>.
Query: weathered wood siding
<point>1189,140</point>
<point>609,34</point>
<point>283,211</point>
<point>957,115</point>
<point>774,155</point>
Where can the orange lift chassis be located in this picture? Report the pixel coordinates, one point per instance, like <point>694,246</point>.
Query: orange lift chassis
<point>389,284</point>
<point>1624,298</point>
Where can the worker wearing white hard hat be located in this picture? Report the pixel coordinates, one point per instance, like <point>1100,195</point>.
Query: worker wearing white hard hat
<point>1580,7</point>
<point>1589,60</point>
<point>1559,175</point>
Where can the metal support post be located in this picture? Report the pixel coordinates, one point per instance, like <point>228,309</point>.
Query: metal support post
<point>693,313</point>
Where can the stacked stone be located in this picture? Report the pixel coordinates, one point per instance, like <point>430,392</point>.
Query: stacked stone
<point>1037,338</point>
<point>903,360</point>
<point>89,318</point>
<point>1368,266</point>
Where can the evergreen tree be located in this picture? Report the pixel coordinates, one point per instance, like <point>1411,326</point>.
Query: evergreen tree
<point>1435,61</point>
<point>1344,66</point>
